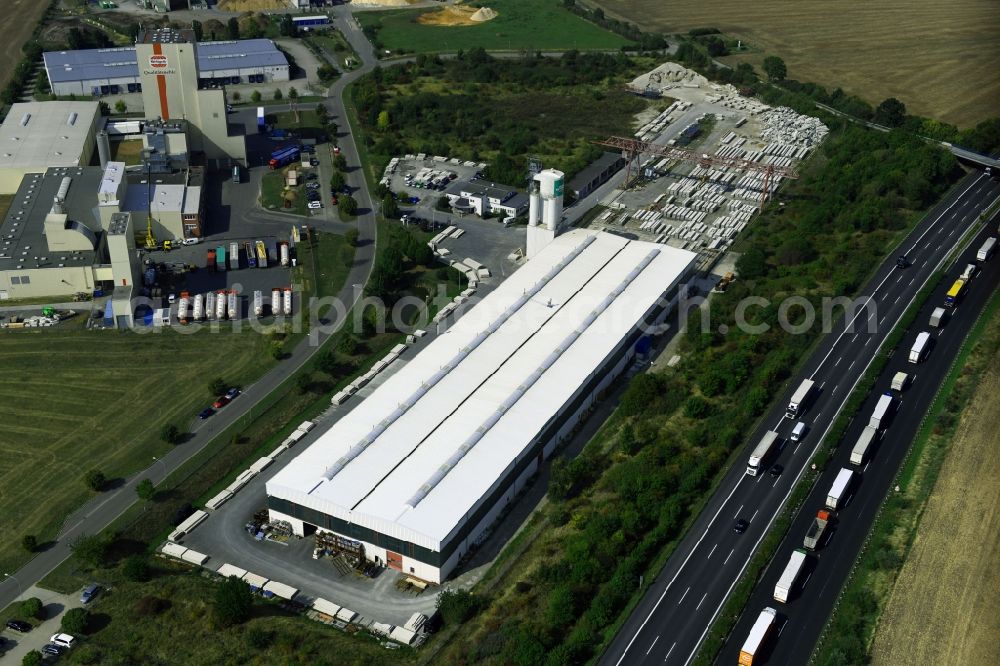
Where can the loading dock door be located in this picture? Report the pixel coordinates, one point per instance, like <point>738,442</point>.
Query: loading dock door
<point>394,560</point>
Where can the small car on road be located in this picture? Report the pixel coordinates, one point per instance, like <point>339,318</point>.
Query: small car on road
<point>221,402</point>
<point>741,526</point>
<point>232,393</point>
<point>205,413</point>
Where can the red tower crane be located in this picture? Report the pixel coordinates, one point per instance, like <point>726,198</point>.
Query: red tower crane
<point>632,148</point>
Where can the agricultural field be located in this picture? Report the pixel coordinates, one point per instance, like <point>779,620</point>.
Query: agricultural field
<point>75,400</point>
<point>944,585</point>
<point>929,55</point>
<point>519,24</point>
<point>14,33</point>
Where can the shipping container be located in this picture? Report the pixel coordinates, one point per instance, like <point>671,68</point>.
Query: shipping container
<point>220,258</point>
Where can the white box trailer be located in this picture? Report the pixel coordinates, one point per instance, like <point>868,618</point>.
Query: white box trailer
<point>920,346</point>
<point>797,404</point>
<point>234,256</point>
<point>863,444</point>
<point>987,248</point>
<point>758,634</point>
<point>786,583</point>
<point>882,407</point>
<point>900,381</point>
<point>937,317</point>
<point>839,488</point>
<point>761,452</point>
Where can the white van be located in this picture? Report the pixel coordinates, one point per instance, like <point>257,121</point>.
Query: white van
<point>799,431</point>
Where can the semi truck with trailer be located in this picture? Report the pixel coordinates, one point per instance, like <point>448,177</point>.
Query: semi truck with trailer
<point>232,305</point>
<point>283,253</point>
<point>220,258</point>
<point>283,156</point>
<point>937,317</point>
<point>785,585</point>
<point>955,294</point>
<point>261,124</point>
<point>286,298</point>
<point>258,303</point>
<point>276,301</point>
<point>817,529</point>
<point>864,443</point>
<point>234,256</point>
<point>758,635</point>
<point>920,347</point>
<point>838,491</point>
<point>251,260</point>
<point>184,307</point>
<point>969,272</point>
<point>210,305</point>
<point>220,305</point>
<point>261,254</point>
<point>199,307</point>
<point>798,402</point>
<point>987,248</point>
<point>761,452</point>
<point>882,407</point>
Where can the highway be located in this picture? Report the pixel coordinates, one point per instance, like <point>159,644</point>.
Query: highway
<point>802,619</point>
<point>674,615</point>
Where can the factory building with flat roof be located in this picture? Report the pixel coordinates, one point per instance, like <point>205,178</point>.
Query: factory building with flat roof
<point>115,71</point>
<point>417,472</point>
<point>39,135</point>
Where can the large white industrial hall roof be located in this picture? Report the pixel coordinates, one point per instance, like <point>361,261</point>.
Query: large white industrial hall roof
<point>413,459</point>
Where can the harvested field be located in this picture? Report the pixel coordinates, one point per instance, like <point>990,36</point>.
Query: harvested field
<point>929,55</point>
<point>457,15</point>
<point>14,33</point>
<point>251,5</point>
<point>942,609</point>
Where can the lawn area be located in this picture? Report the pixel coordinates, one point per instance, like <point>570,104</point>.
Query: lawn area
<point>273,194</point>
<point>131,627</point>
<point>128,152</point>
<point>520,24</point>
<point>97,400</point>
<point>334,44</point>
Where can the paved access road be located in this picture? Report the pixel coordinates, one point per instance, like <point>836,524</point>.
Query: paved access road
<point>801,620</point>
<point>102,510</point>
<point>672,619</point>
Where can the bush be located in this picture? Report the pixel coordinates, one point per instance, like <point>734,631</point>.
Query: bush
<point>33,658</point>
<point>145,490</point>
<point>457,606</point>
<point>95,479</point>
<point>29,542</point>
<point>217,386</point>
<point>171,434</point>
<point>74,621</point>
<point>348,205</point>
<point>259,639</point>
<point>92,549</point>
<point>149,606</point>
<point>136,569</point>
<point>233,602</point>
<point>351,237</point>
<point>32,609</point>
<point>87,654</point>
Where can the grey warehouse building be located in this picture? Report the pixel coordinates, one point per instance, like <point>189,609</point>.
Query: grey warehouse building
<point>115,71</point>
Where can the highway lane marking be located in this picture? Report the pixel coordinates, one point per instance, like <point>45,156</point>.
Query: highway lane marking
<point>839,359</point>
<point>923,264</point>
<point>852,364</point>
<point>681,600</point>
<point>670,650</point>
<point>796,449</point>
<point>785,624</point>
<point>678,573</point>
<point>869,339</point>
<point>897,300</point>
<point>822,385</point>
<point>865,469</point>
<point>738,511</point>
<point>778,478</point>
<point>754,515</point>
<point>712,551</point>
<point>702,601</point>
<point>834,389</point>
<point>728,556</point>
<point>651,646</point>
<point>806,581</point>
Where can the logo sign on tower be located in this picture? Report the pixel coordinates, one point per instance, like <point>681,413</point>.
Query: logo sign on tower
<point>157,61</point>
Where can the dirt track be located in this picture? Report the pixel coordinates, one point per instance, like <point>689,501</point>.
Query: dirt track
<point>945,608</point>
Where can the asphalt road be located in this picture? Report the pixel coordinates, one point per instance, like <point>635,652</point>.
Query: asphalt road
<point>802,619</point>
<point>673,617</point>
<point>102,510</point>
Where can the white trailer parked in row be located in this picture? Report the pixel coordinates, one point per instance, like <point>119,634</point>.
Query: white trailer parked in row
<point>276,302</point>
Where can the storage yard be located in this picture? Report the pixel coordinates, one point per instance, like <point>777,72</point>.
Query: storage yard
<point>739,149</point>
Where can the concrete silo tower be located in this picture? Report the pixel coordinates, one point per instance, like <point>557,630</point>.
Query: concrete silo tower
<point>545,201</point>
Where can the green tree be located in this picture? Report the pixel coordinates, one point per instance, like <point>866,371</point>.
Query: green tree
<point>457,606</point>
<point>145,490</point>
<point>104,109</point>
<point>136,569</point>
<point>91,549</point>
<point>277,350</point>
<point>74,621</point>
<point>32,609</point>
<point>348,345</point>
<point>292,92</point>
<point>348,205</point>
<point>340,163</point>
<point>304,383</point>
<point>121,107</point>
<point>171,434</point>
<point>233,602</point>
<point>383,121</point>
<point>233,28</point>
<point>389,207</point>
<point>337,181</point>
<point>95,479</point>
<point>29,542</point>
<point>326,362</point>
<point>351,237</point>
<point>198,29</point>
<point>217,386</point>
<point>327,73</point>
<point>236,96</point>
<point>33,658</point>
<point>277,94</point>
<point>255,97</point>
<point>322,115</point>
<point>891,113</point>
<point>775,68</point>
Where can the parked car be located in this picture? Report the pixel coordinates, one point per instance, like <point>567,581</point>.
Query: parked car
<point>333,199</point>
<point>19,625</point>
<point>741,526</point>
<point>232,393</point>
<point>205,413</point>
<point>63,640</point>
<point>190,241</point>
<point>89,593</point>
<point>314,205</point>
<point>221,402</point>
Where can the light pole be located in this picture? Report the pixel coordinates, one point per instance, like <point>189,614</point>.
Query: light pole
<point>15,580</point>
